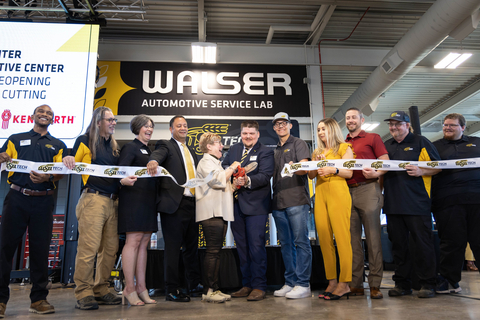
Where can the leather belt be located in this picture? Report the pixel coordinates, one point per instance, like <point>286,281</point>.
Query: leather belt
<point>189,198</point>
<point>112,196</point>
<point>358,184</point>
<point>33,193</point>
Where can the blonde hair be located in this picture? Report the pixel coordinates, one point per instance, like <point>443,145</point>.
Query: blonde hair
<point>208,138</point>
<point>334,137</point>
<point>93,132</point>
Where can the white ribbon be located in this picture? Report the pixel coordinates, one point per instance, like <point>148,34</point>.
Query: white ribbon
<point>387,165</point>
<point>23,166</point>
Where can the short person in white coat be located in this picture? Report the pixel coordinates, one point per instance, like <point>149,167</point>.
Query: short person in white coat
<point>214,207</point>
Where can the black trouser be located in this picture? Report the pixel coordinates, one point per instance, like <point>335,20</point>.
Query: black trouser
<point>214,230</point>
<point>399,228</point>
<point>19,212</point>
<point>456,225</point>
<point>180,230</point>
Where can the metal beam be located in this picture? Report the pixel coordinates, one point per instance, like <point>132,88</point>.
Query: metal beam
<point>326,18</point>
<point>202,35</point>
<point>453,101</point>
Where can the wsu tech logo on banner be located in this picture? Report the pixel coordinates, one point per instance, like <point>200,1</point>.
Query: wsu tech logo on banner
<point>190,89</point>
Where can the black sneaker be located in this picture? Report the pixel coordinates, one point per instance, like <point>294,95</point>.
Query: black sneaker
<point>397,291</point>
<point>426,293</point>
<point>109,298</point>
<point>445,287</point>
<point>87,303</point>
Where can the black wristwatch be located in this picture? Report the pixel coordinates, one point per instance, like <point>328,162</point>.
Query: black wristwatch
<point>50,179</point>
<point>336,171</point>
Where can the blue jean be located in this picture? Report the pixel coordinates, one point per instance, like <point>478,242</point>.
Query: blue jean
<point>292,232</point>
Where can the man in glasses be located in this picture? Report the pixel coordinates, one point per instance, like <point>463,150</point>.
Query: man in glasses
<point>291,207</point>
<point>455,202</point>
<point>408,207</point>
<point>96,212</point>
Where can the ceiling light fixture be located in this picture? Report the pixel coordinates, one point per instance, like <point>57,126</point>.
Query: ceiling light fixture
<point>370,126</point>
<point>204,52</point>
<point>452,60</point>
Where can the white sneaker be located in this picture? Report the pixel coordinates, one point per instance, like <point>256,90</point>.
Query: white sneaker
<point>213,297</point>
<point>282,292</point>
<point>299,292</point>
<point>226,296</point>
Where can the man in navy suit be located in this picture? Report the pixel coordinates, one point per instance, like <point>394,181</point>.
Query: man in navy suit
<point>177,210</point>
<point>252,205</point>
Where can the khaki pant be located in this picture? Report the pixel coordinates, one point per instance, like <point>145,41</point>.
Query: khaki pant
<point>367,201</point>
<point>97,226</point>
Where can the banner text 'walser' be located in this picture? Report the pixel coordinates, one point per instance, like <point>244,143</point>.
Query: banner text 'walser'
<point>131,88</point>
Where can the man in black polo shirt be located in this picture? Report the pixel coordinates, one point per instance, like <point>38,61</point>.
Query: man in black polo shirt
<point>291,208</point>
<point>407,206</point>
<point>96,212</point>
<point>29,203</point>
<point>456,202</point>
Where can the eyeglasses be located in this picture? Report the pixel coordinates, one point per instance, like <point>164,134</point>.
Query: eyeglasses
<point>110,120</point>
<point>448,125</point>
<point>145,126</point>
<point>280,124</point>
<point>398,124</point>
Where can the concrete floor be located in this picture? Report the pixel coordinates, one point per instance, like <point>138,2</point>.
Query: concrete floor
<point>465,305</point>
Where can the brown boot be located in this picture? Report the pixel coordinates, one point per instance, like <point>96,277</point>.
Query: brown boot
<point>375,293</point>
<point>256,295</point>
<point>42,307</point>
<point>242,293</point>
<point>357,291</point>
<point>3,307</point>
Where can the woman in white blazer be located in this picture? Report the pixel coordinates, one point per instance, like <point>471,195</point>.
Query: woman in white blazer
<point>214,207</point>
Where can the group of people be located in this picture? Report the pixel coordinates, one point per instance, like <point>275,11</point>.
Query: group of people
<point>345,200</point>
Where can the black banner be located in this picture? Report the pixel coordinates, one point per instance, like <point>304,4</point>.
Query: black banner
<point>213,90</point>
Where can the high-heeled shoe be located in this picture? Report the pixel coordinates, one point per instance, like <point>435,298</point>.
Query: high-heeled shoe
<point>471,266</point>
<point>336,297</point>
<point>132,299</point>
<point>324,294</point>
<point>146,298</point>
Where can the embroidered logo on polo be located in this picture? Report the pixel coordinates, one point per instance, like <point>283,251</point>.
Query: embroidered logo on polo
<point>408,149</point>
<point>471,145</point>
<point>286,150</point>
<point>49,146</point>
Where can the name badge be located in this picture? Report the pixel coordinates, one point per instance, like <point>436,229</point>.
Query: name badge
<point>24,143</point>
<point>253,158</point>
<point>144,151</point>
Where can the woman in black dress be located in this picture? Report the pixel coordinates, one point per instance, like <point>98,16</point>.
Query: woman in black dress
<point>137,213</point>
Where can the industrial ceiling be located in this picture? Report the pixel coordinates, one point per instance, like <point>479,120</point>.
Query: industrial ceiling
<point>376,24</point>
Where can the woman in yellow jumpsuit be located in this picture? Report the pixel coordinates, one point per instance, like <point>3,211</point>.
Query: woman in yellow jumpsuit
<point>332,208</point>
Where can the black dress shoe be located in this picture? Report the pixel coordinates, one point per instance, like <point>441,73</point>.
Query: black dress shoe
<point>197,291</point>
<point>177,297</point>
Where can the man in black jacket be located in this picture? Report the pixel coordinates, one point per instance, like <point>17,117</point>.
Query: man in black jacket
<point>177,209</point>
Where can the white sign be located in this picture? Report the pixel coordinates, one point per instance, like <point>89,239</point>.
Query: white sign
<point>52,64</point>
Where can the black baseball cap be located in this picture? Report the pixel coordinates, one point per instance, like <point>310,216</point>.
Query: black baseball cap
<point>398,116</point>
